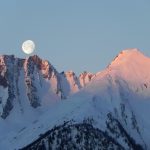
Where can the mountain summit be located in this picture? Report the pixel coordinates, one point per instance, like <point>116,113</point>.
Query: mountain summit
<point>130,57</point>
<point>132,66</point>
<point>107,110</point>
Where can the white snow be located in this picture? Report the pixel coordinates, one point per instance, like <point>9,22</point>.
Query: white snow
<point>125,81</point>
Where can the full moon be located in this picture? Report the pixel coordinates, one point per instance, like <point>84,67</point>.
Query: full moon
<point>28,47</point>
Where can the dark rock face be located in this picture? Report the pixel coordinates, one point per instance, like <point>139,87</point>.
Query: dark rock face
<point>85,78</point>
<point>30,65</point>
<point>8,76</point>
<point>3,81</point>
<point>9,72</point>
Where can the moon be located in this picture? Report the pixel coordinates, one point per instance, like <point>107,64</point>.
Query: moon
<point>28,47</point>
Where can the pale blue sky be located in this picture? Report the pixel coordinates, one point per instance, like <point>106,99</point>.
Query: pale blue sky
<point>75,34</point>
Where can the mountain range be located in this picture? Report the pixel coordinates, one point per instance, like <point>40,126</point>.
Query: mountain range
<point>43,109</point>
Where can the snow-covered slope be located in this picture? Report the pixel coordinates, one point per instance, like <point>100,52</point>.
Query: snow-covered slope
<point>32,82</point>
<point>114,106</point>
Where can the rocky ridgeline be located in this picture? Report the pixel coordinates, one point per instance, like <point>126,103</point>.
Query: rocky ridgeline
<point>35,73</point>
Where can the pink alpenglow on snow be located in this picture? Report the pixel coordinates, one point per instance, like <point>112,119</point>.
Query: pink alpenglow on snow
<point>115,100</point>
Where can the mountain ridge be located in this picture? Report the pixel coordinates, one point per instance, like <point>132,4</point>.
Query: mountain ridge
<point>113,105</point>
<point>37,75</point>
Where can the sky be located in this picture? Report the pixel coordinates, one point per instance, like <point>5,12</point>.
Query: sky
<point>78,35</point>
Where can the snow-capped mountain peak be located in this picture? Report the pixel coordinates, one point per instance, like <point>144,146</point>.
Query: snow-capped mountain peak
<point>110,112</point>
<point>129,57</point>
<point>132,66</point>
<point>34,78</point>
